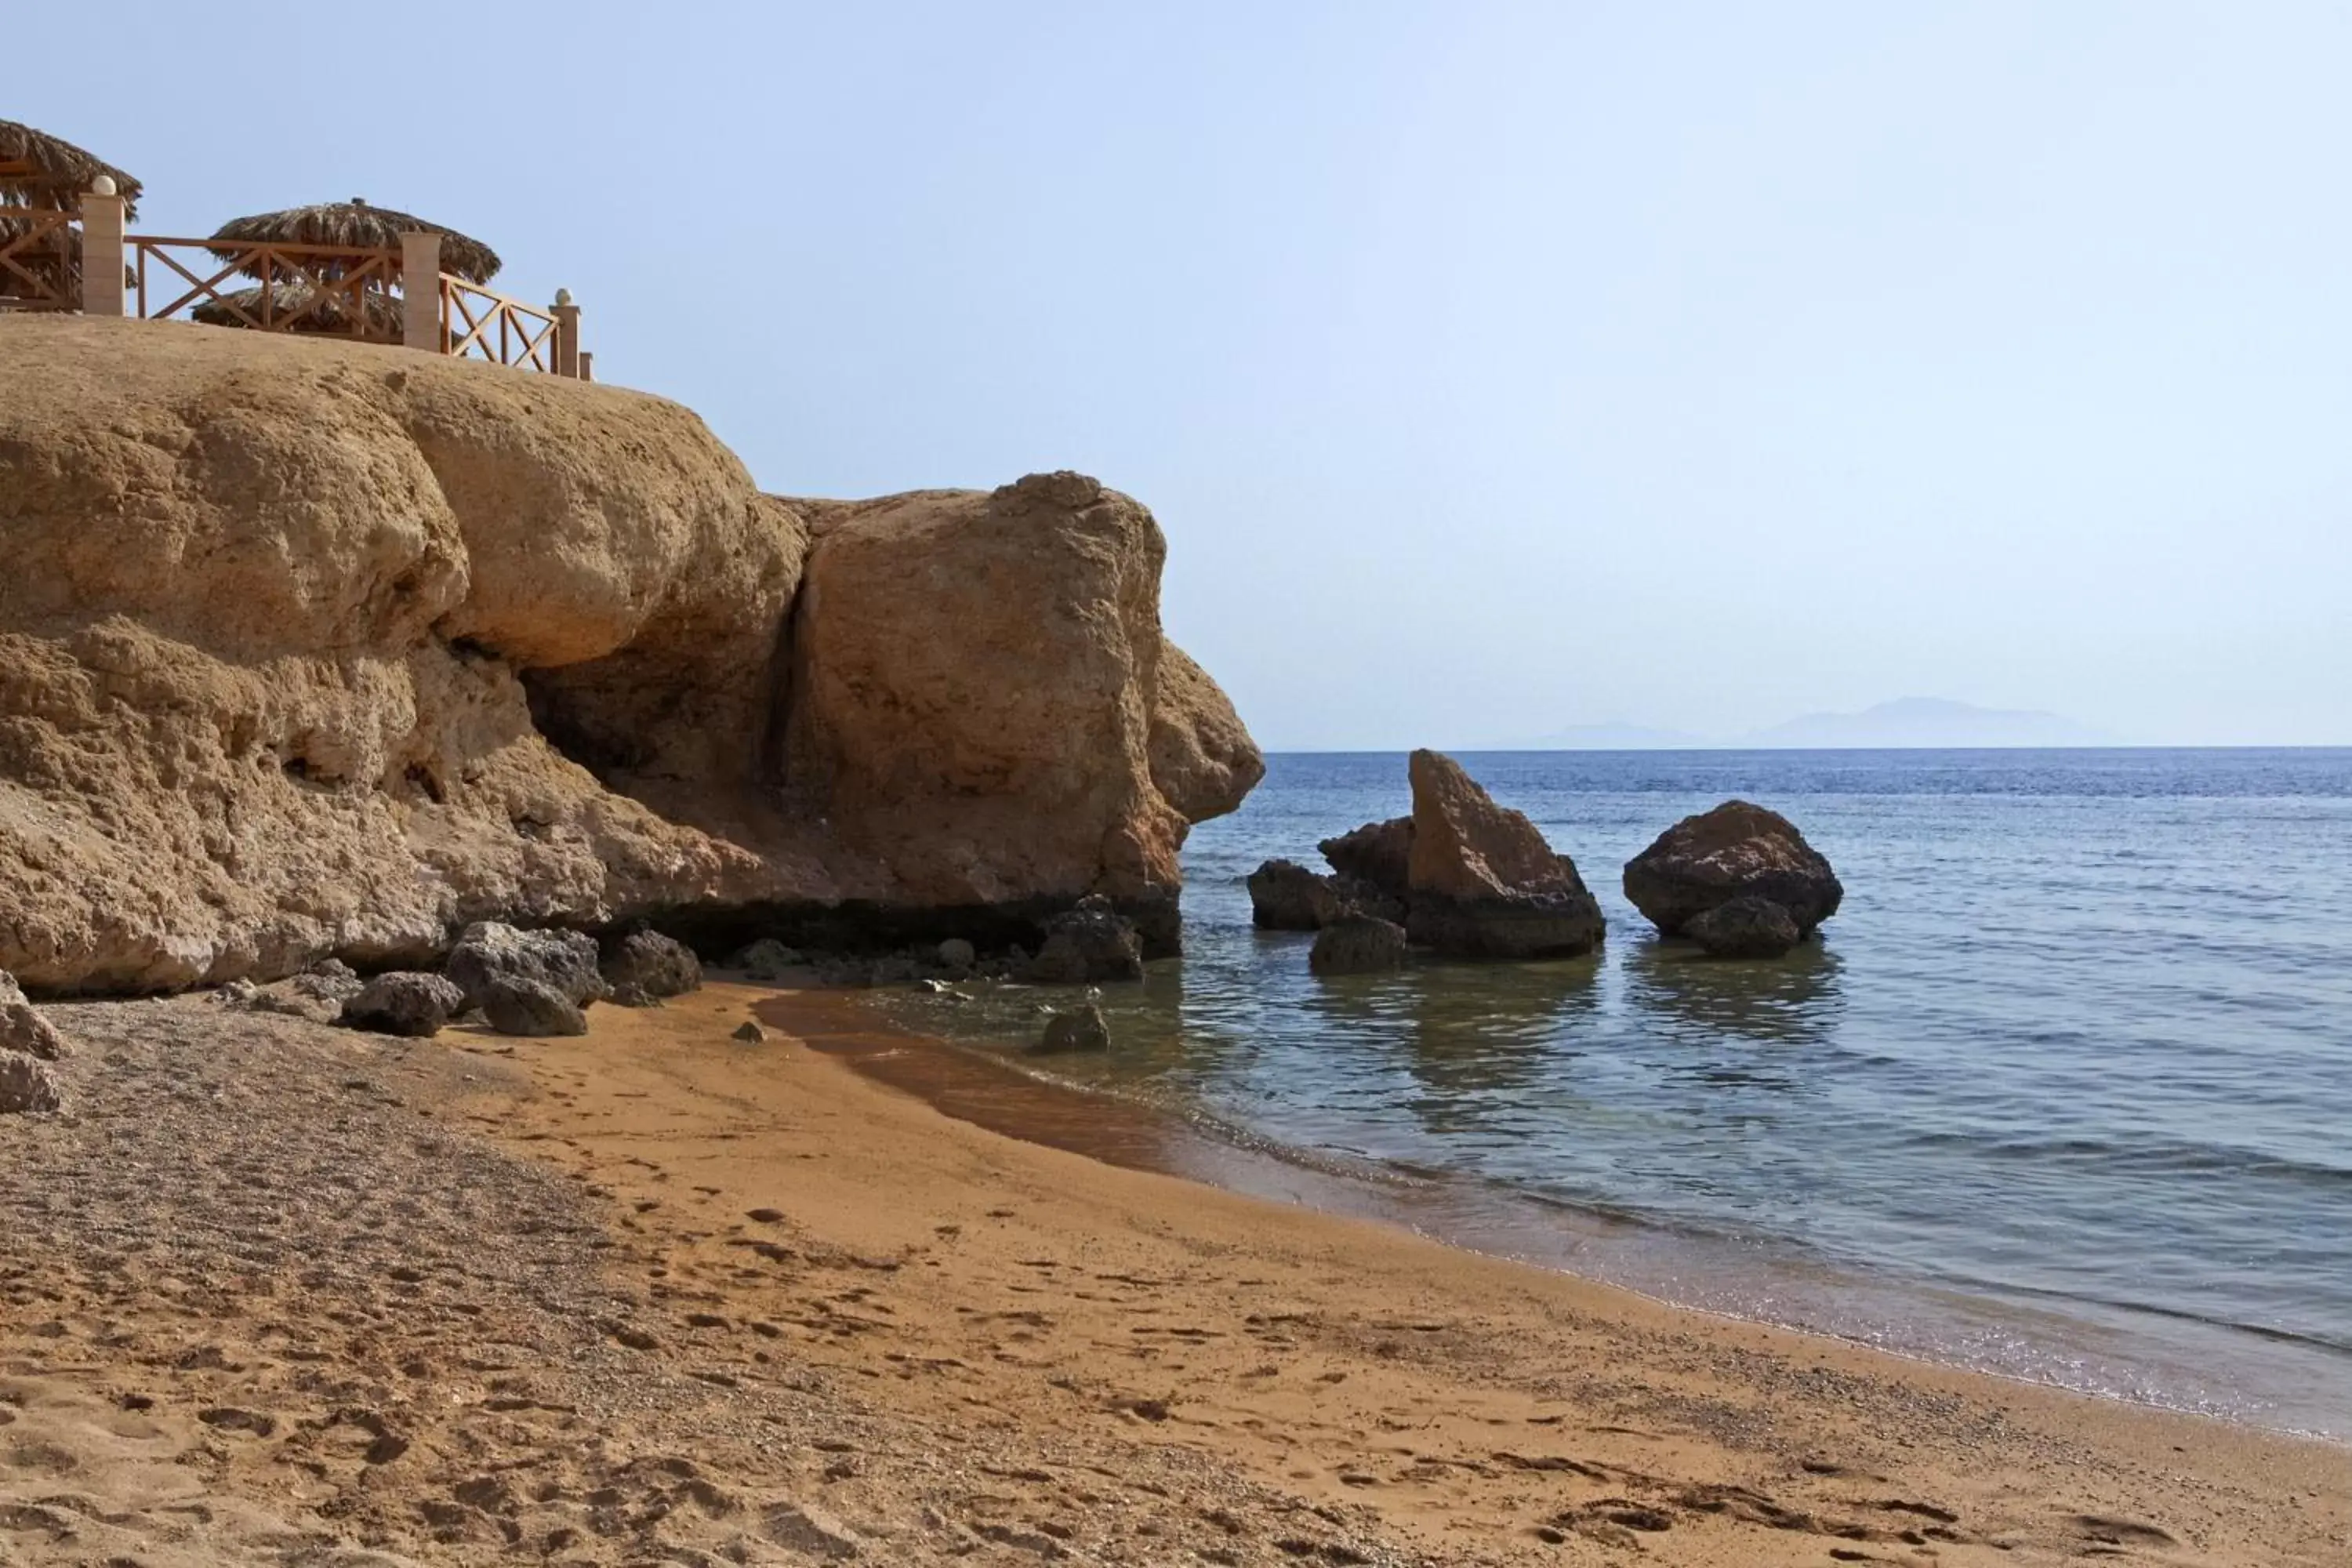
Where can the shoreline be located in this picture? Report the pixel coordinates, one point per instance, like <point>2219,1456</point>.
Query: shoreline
<point>2066,1347</point>
<point>654,1292</point>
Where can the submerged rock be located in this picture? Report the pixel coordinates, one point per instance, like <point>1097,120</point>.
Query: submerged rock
<point>416,1006</point>
<point>531,1008</point>
<point>27,1085</point>
<point>1081,1029</point>
<point>564,962</point>
<point>1746,927</point>
<point>1733,851</point>
<point>1483,882</point>
<point>644,966</point>
<point>1358,944</point>
<point>1088,942</point>
<point>1286,896</point>
<point>23,1027</point>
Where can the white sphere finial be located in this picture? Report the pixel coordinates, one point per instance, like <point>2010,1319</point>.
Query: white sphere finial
<point>564,296</point>
<point>103,186</point>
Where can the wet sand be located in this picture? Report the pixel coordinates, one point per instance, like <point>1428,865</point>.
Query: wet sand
<point>273,1293</point>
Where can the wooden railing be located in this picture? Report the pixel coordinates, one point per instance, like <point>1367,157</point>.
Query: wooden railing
<point>39,259</point>
<point>478,324</point>
<point>334,291</point>
<point>397,295</point>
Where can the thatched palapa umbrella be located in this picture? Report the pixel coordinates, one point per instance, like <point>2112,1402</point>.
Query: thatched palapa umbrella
<point>353,222</point>
<point>41,172</point>
<point>296,307</point>
<point>38,170</point>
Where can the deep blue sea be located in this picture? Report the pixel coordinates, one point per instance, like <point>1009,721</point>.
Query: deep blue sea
<point>2065,1091</point>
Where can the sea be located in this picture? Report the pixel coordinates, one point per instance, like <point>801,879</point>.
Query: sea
<point>2063,1093</point>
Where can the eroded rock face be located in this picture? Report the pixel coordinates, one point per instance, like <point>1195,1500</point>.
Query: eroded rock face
<point>1482,881</point>
<point>312,648</point>
<point>1733,851</point>
<point>1744,927</point>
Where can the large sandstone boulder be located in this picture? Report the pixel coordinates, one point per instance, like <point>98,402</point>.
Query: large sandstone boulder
<point>1733,851</point>
<point>648,965</point>
<point>403,1003</point>
<point>533,1009</point>
<point>1482,881</point>
<point>310,649</point>
<point>487,953</point>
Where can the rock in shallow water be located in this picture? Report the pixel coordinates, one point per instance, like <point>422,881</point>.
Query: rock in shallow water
<point>1082,1029</point>
<point>1482,881</point>
<point>1358,944</point>
<point>1378,853</point>
<point>1733,851</point>
<point>412,1005</point>
<point>1091,941</point>
<point>1746,927</point>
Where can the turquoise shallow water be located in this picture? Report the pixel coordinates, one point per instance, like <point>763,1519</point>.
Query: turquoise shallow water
<point>2066,1092</point>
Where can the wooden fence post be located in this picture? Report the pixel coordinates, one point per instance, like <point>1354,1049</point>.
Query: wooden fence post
<point>567,334</point>
<point>101,250</point>
<point>420,291</point>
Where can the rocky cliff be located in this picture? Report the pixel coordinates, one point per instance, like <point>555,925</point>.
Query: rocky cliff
<point>311,649</point>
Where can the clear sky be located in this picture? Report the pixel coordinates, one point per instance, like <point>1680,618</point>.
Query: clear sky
<point>1492,368</point>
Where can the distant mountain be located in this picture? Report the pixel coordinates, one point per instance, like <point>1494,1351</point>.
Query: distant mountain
<point>1925,721</point>
<point>1609,738</point>
<point>1909,722</point>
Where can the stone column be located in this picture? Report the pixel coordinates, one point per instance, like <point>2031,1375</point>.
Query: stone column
<point>420,291</point>
<point>567,334</point>
<point>101,250</point>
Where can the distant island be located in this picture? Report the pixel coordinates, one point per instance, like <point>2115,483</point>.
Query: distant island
<point>1906,722</point>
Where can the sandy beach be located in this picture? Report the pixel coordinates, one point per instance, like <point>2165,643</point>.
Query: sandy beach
<point>275,1292</point>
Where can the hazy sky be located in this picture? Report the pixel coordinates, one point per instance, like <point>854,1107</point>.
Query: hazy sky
<point>1492,368</point>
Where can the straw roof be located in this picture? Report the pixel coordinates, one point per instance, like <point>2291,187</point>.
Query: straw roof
<point>37,170</point>
<point>332,316</point>
<point>356,222</point>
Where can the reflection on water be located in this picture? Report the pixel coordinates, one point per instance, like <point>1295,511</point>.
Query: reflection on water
<point>2076,1038</point>
<point>1791,999</point>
